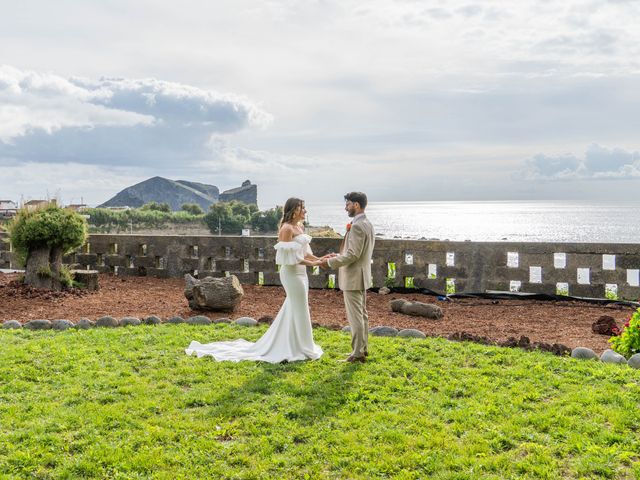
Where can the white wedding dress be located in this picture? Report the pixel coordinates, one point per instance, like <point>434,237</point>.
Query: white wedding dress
<point>290,336</point>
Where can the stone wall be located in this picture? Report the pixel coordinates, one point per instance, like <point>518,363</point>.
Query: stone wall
<point>577,269</point>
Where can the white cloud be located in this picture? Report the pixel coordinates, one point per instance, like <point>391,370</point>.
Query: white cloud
<point>598,163</point>
<point>47,118</point>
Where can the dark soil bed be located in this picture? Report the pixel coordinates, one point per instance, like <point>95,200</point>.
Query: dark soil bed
<point>566,322</point>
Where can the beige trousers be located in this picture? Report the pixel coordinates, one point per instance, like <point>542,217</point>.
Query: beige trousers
<point>355,302</point>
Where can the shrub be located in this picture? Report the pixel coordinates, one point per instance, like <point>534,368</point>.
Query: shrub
<point>48,227</point>
<point>192,208</point>
<point>628,342</point>
<point>41,237</point>
<point>157,207</point>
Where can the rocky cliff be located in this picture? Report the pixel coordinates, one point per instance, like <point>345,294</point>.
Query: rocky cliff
<point>247,193</point>
<point>176,193</point>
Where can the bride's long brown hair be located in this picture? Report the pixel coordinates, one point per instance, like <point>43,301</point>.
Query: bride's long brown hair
<point>290,207</point>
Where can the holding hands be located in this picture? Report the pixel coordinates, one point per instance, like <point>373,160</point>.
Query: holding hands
<point>324,261</point>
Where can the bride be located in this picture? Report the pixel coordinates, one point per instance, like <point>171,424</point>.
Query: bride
<point>290,336</point>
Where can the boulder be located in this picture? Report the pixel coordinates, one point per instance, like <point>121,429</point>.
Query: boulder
<point>12,324</point>
<point>198,320</point>
<point>609,356</point>
<point>85,324</point>
<point>411,332</point>
<point>218,294</point>
<point>152,320</point>
<point>584,353</point>
<point>384,291</point>
<point>383,331</point>
<point>634,361</point>
<point>107,321</point>
<point>126,321</point>
<point>605,325</point>
<point>246,322</point>
<point>417,309</point>
<point>38,325</point>
<point>61,324</point>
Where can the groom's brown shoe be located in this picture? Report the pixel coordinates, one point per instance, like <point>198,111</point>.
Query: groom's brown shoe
<point>354,359</point>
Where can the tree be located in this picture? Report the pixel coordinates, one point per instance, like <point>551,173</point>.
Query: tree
<point>266,221</point>
<point>231,217</point>
<point>41,237</point>
<point>192,208</point>
<point>158,207</point>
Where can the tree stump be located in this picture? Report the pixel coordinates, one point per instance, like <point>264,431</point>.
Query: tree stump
<point>88,279</point>
<point>43,268</point>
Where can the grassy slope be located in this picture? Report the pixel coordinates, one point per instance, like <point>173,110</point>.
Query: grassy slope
<point>127,403</point>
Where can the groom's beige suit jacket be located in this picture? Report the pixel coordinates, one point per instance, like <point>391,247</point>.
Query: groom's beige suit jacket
<point>354,260</point>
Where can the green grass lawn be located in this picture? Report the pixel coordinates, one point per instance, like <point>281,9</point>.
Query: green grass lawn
<point>128,403</point>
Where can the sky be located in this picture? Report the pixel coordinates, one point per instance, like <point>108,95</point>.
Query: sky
<point>406,100</point>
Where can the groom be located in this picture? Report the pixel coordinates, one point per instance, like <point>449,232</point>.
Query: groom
<point>354,274</point>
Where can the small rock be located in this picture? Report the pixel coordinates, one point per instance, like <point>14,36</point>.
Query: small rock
<point>634,361</point>
<point>524,342</point>
<point>85,324</point>
<point>384,291</point>
<point>152,320</point>
<point>346,328</point>
<point>511,342</point>
<point>560,349</point>
<point>584,353</point>
<point>198,320</point>
<point>246,322</point>
<point>221,320</point>
<point>609,356</point>
<point>605,325</point>
<point>12,324</point>
<point>107,321</point>
<point>411,332</point>
<point>126,321</point>
<point>266,319</point>
<point>384,331</point>
<point>38,325</point>
<point>61,324</point>
<point>175,319</point>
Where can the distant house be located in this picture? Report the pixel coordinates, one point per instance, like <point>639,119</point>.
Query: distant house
<point>8,208</point>
<point>77,207</point>
<point>117,209</point>
<point>33,204</point>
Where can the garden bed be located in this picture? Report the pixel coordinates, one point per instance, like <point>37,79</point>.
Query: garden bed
<point>565,322</point>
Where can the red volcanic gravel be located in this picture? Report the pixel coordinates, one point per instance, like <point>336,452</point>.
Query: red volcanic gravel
<point>566,322</point>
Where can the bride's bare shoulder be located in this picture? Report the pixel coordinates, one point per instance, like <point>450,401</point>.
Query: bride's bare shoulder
<point>286,232</point>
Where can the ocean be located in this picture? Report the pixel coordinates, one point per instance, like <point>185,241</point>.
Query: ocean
<point>514,221</point>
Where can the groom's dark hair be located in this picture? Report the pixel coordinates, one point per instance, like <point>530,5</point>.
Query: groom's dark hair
<point>359,197</point>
